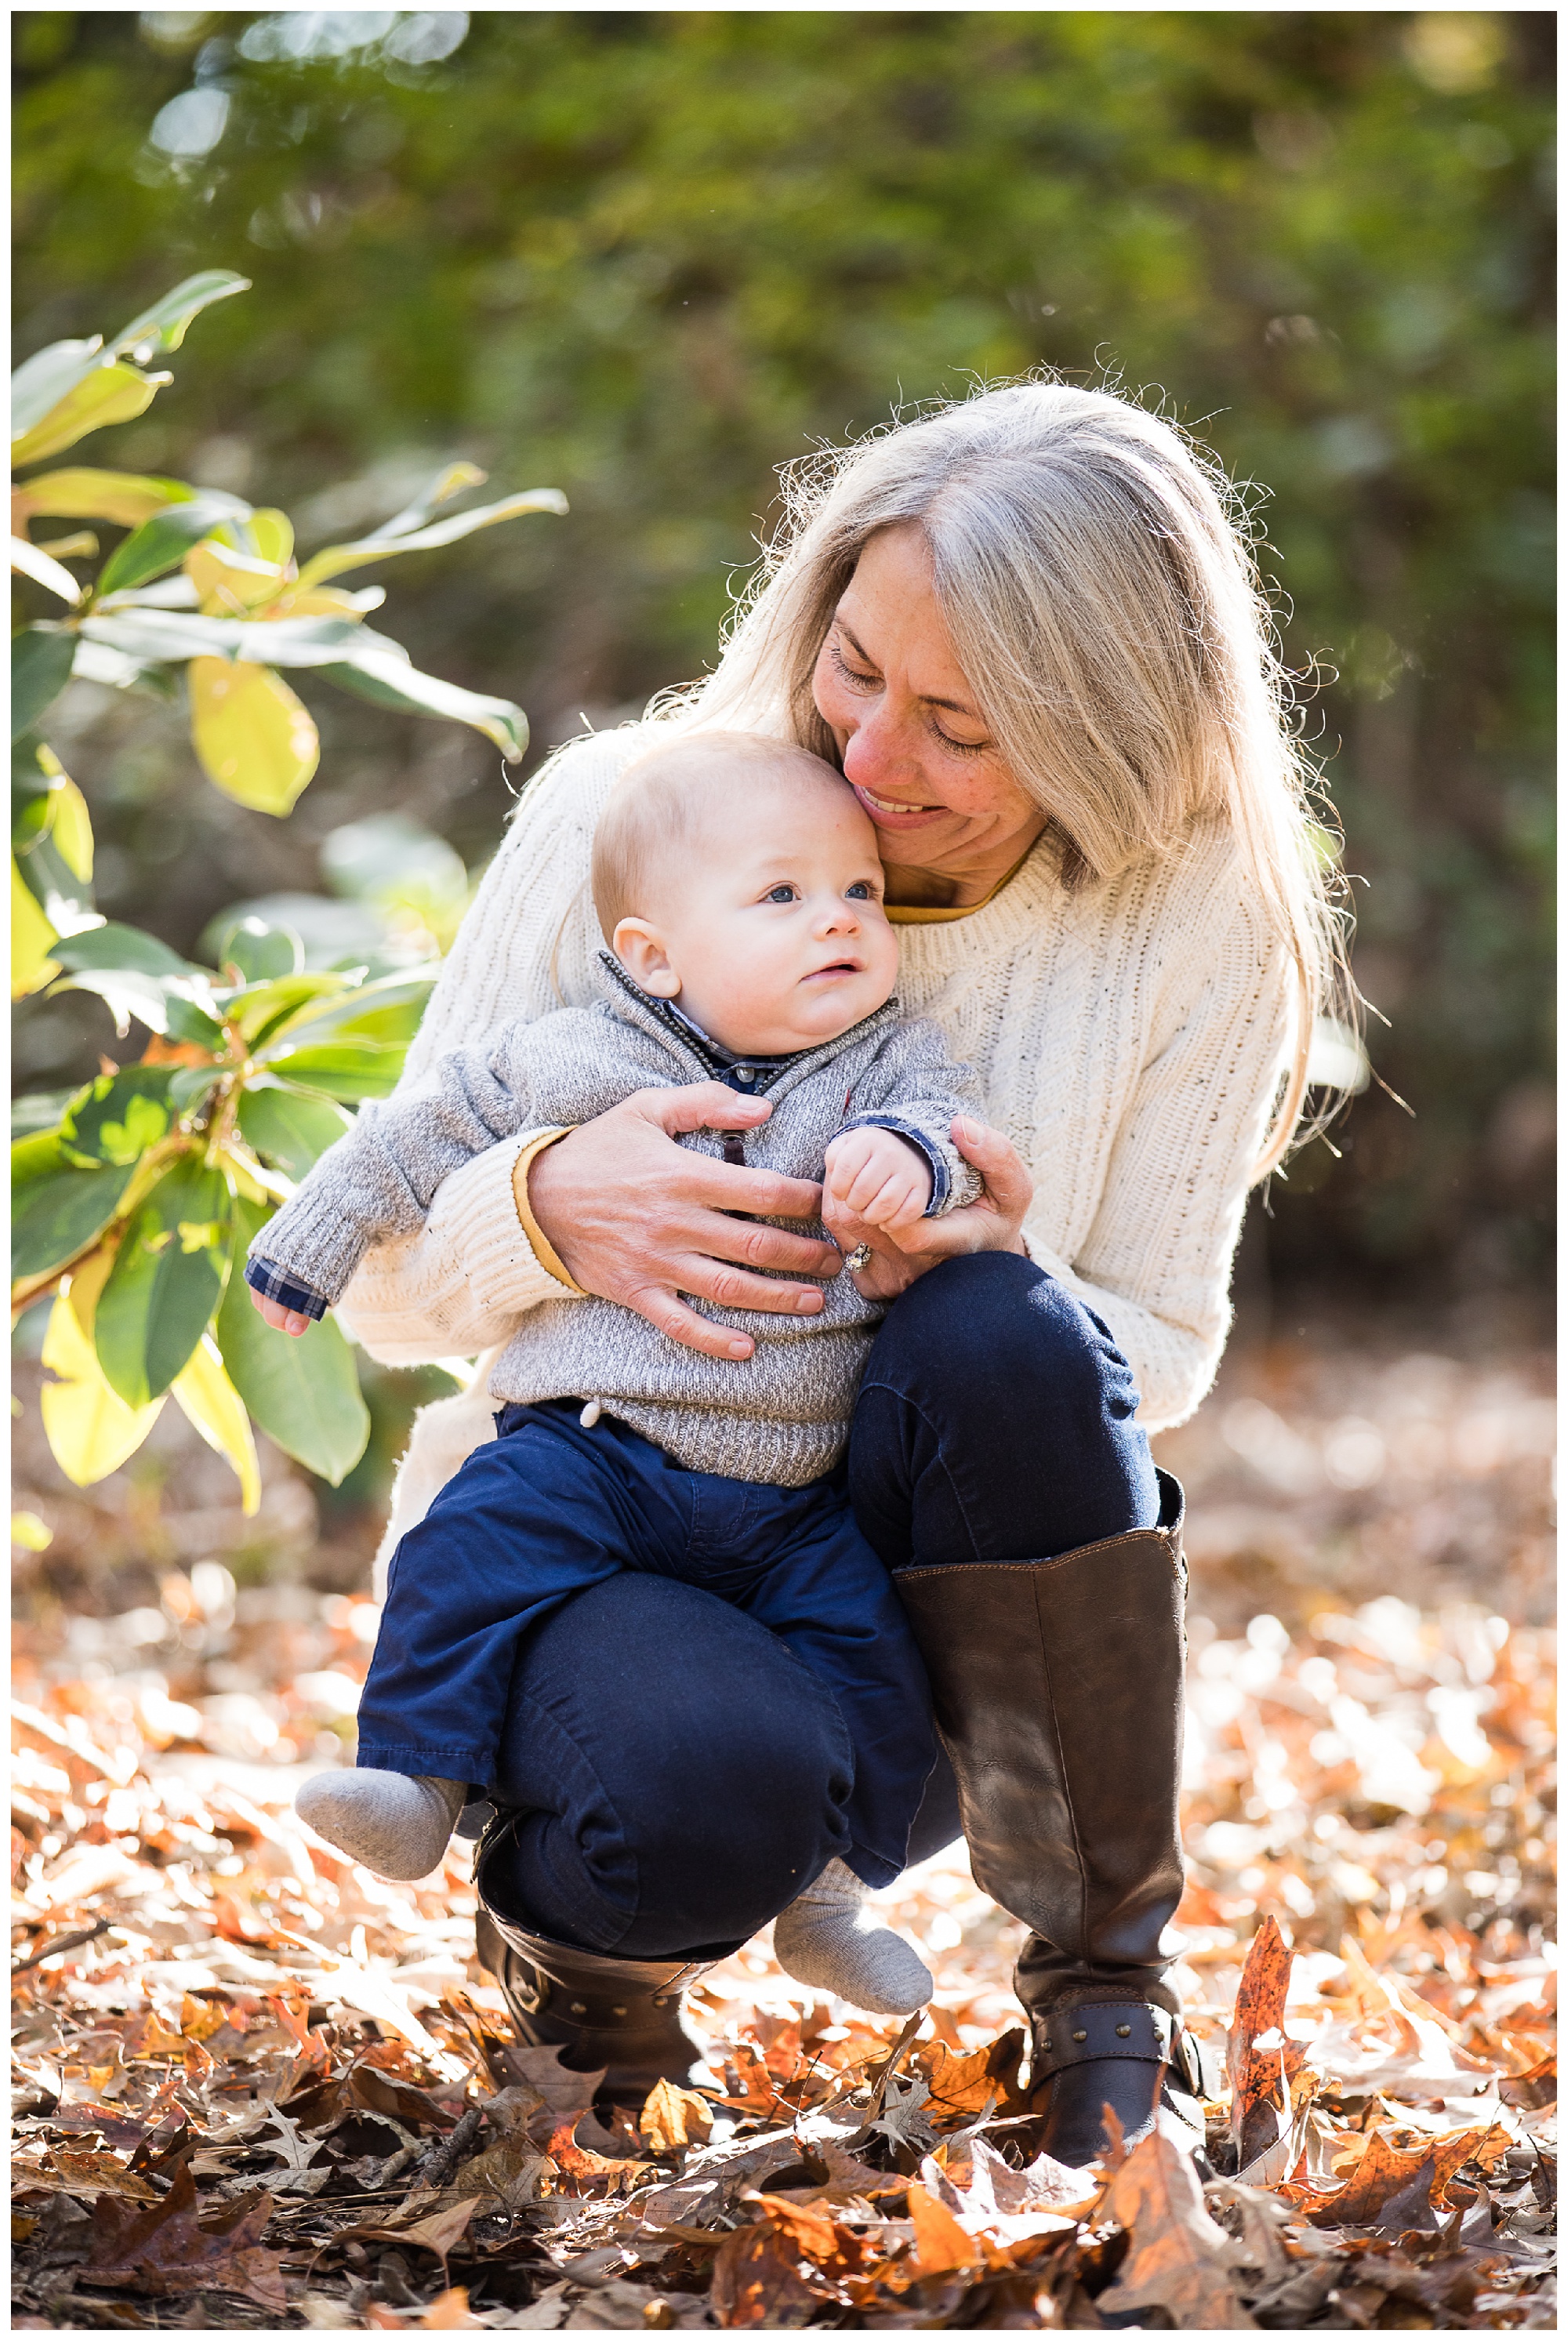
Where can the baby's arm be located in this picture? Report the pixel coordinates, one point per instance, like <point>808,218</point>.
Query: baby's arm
<point>378,1181</point>
<point>908,1098</point>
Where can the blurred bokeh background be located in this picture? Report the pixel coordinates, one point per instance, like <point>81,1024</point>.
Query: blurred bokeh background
<point>646,258</point>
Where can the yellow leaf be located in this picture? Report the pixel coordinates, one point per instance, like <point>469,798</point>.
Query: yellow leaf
<point>272,533</point>
<point>255,740</point>
<point>30,1533</point>
<point>85,1282</point>
<point>32,937</point>
<point>89,1427</point>
<point>72,828</point>
<point>111,392</point>
<point>126,498</point>
<point>210,1400</point>
<point>318,601</point>
<point>229,581</point>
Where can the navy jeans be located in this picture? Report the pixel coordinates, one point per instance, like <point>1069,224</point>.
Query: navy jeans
<point>677,1775</point>
<point>549,1508</point>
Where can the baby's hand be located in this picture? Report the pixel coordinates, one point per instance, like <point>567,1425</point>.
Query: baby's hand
<point>282,1320</point>
<point>879,1177</point>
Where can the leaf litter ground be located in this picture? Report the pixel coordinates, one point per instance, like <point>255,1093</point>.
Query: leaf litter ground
<point>258,2087</point>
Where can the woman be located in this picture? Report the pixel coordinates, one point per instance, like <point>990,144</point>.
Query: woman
<point>1027,632</point>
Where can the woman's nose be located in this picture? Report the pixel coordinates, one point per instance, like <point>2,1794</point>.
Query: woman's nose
<point>878,751</point>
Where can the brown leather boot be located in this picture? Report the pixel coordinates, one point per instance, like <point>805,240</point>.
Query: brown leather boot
<point>1057,1687</point>
<point>624,2015</point>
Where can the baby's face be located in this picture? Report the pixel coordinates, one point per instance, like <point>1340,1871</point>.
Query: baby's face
<point>772,937</point>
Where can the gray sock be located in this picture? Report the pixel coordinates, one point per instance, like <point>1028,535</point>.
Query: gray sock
<point>397,1823</point>
<point>827,1938</point>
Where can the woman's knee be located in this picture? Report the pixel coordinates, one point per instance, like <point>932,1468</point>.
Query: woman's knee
<point>705,1781</point>
<point>992,1332</point>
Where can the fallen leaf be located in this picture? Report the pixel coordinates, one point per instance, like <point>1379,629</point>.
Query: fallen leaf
<point>1260,2077</point>
<point>1173,2254</point>
<point>939,2243</point>
<point>673,2117</point>
<point>165,2249</point>
<point>1533,2090</point>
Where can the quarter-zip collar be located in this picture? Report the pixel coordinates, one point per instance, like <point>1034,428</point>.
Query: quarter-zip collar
<point>748,1076</point>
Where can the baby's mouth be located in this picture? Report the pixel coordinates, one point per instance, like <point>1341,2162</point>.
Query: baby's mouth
<point>834,967</point>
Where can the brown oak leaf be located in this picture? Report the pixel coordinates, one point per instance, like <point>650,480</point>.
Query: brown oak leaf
<point>166,2248</point>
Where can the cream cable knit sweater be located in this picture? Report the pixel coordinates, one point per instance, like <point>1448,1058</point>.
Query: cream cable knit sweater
<point>1128,1038</point>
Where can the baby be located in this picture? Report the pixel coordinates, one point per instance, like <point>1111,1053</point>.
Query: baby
<point>737,883</point>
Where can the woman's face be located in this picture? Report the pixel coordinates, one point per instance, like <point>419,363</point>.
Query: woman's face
<point>915,747</point>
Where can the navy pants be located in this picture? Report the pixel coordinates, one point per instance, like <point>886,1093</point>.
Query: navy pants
<point>677,1773</point>
<point>551,1508</point>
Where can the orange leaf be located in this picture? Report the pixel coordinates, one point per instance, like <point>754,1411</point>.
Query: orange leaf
<point>1173,2257</point>
<point>673,2117</point>
<point>967,2085</point>
<point>757,2280</point>
<point>939,2243</point>
<point>1260,2077</point>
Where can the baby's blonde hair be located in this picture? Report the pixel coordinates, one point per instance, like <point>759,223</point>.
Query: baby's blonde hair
<point>658,806</point>
<point>1093,570</point>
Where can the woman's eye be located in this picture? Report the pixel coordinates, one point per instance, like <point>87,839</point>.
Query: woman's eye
<point>851,674</point>
<point>960,747</point>
<point>779,894</point>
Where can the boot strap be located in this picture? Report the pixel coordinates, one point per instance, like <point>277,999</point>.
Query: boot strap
<point>1116,2027</point>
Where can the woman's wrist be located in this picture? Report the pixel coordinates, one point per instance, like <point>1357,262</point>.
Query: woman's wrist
<point>544,1251</point>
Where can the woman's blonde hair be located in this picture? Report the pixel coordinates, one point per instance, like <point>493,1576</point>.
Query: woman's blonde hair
<point>1104,604</point>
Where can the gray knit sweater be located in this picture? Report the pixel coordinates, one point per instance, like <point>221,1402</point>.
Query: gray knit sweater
<point>781,1416</point>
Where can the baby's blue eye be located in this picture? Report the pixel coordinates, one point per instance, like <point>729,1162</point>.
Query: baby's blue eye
<point>779,894</point>
<point>860,891</point>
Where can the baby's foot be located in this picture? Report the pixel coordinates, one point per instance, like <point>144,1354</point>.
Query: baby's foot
<point>828,1939</point>
<point>397,1823</point>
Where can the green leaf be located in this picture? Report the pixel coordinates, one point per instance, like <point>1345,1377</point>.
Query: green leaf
<point>393,683</point>
<point>56,1210</point>
<point>349,1069</point>
<point>190,1084</point>
<point>389,1010</point>
<point>165,1281</point>
<point>186,1021</point>
<point>304,1392</point>
<point>152,636</point>
<point>42,1109</point>
<point>260,950</point>
<point>164,325</point>
<point>109,392</point>
<point>41,659</point>
<point>163,541</point>
<point>262,1007</point>
<point>332,558</point>
<point>285,1127</point>
<point>119,1117</point>
<point>113,945</point>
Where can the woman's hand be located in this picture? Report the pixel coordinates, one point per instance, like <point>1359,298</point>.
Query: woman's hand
<point>639,1219</point>
<point>994,1223</point>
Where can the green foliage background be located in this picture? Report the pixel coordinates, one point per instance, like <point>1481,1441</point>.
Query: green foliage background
<point>646,257</point>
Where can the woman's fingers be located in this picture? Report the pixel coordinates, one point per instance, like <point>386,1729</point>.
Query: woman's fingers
<point>1009,1187</point>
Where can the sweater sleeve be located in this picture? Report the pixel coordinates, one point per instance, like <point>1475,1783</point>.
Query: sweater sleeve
<point>380,1179</point>
<point>463,1281</point>
<point>1155,1263</point>
<point>913,1087</point>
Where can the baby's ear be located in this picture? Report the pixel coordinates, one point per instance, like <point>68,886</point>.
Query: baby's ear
<point>641,951</point>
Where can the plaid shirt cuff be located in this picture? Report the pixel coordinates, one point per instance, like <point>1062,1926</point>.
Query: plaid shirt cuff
<point>275,1284</point>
